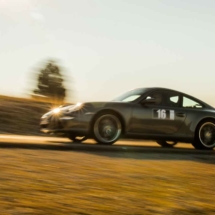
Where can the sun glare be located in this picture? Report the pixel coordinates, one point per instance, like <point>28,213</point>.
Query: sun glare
<point>79,104</point>
<point>56,110</point>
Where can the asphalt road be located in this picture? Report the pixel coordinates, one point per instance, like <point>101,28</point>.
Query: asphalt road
<point>55,143</point>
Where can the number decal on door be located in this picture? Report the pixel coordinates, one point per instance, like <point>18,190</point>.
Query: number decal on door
<point>163,114</point>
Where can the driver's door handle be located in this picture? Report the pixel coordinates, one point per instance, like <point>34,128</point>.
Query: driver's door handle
<point>180,114</point>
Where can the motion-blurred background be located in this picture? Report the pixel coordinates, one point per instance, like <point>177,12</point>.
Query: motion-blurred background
<point>72,51</point>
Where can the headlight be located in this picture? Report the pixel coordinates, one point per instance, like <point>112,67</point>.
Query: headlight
<point>68,109</point>
<point>56,110</point>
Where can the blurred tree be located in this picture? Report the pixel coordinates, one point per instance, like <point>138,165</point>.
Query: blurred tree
<point>50,83</point>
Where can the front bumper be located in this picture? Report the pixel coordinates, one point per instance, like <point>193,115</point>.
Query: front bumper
<point>65,124</point>
<point>53,124</point>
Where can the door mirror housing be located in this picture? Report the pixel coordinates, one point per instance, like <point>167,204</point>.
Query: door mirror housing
<point>149,101</point>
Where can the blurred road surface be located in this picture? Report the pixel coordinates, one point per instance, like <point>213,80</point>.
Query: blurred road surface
<point>56,143</point>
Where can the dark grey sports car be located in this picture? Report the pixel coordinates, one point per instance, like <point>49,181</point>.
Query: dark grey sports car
<point>164,115</point>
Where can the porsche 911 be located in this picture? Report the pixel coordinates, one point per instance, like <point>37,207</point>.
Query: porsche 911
<point>164,115</point>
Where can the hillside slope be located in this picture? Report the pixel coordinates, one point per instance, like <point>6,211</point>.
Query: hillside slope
<point>21,116</point>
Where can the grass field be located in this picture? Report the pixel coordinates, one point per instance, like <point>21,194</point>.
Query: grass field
<point>21,116</point>
<point>66,182</point>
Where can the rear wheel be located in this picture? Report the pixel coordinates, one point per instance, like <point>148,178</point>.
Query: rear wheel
<point>107,129</point>
<point>167,144</point>
<point>205,135</point>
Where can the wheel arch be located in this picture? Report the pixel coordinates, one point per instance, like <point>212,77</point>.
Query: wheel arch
<point>201,121</point>
<point>112,111</point>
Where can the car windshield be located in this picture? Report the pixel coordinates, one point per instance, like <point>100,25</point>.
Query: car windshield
<point>130,95</point>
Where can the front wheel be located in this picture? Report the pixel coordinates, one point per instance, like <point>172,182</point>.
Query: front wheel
<point>205,135</point>
<point>107,129</point>
<point>167,144</point>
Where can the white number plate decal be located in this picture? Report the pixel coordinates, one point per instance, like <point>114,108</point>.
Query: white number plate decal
<point>163,114</point>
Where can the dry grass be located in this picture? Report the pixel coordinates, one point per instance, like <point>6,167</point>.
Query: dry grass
<point>66,182</point>
<point>21,116</point>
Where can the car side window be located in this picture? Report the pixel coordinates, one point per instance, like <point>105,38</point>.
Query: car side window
<point>171,99</point>
<point>166,98</point>
<point>190,103</point>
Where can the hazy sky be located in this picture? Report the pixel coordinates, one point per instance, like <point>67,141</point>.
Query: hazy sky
<point>110,46</point>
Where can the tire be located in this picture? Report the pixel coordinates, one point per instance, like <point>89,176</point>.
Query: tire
<point>205,135</point>
<point>77,139</point>
<point>107,129</point>
<point>167,144</point>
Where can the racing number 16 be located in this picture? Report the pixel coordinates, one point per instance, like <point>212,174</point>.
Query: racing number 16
<point>161,114</point>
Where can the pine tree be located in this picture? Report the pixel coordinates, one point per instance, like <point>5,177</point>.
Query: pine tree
<point>50,83</point>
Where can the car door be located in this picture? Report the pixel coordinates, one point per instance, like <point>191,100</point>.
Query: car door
<point>142,115</point>
<point>165,116</point>
<point>169,117</point>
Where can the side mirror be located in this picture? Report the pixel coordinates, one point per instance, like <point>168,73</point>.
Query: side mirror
<point>149,101</point>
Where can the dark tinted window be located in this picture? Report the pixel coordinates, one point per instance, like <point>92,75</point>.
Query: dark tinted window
<point>158,96</point>
<point>171,99</point>
<point>166,98</point>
